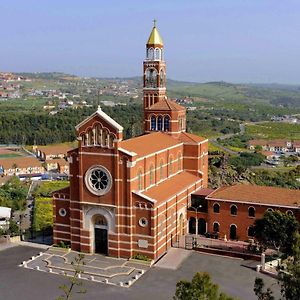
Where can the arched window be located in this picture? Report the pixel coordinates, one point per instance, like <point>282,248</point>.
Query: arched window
<point>159,123</point>
<point>183,124</point>
<point>192,225</point>
<point>153,123</point>
<point>100,221</point>
<point>179,161</point>
<point>289,212</point>
<point>161,170</point>
<point>151,176</point>
<point>216,227</point>
<point>91,138</point>
<point>104,137</point>
<point>233,210</point>
<point>180,123</point>
<point>84,140</point>
<point>150,53</point>
<point>151,77</point>
<point>111,138</point>
<point>251,212</point>
<point>216,208</point>
<point>98,134</point>
<point>157,53</point>
<point>140,180</point>
<point>251,231</point>
<point>170,165</point>
<point>166,123</point>
<point>270,210</point>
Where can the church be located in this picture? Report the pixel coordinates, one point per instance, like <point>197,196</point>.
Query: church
<point>129,197</point>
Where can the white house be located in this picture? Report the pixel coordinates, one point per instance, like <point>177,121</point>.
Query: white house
<point>5,214</point>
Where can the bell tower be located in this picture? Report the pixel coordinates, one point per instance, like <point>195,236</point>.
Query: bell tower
<point>154,69</point>
<point>160,113</point>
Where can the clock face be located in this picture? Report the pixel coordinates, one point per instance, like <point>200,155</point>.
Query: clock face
<point>98,180</point>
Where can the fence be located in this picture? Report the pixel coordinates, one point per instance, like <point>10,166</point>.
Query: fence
<point>231,248</point>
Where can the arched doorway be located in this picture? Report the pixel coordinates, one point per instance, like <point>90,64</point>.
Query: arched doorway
<point>201,226</point>
<point>192,225</point>
<point>232,235</point>
<point>100,233</point>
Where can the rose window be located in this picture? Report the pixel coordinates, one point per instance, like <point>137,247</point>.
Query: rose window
<point>98,180</point>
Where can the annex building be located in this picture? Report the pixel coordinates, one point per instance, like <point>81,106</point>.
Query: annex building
<point>229,212</point>
<point>131,196</point>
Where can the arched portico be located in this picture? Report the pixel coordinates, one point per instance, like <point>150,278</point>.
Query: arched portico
<point>99,221</point>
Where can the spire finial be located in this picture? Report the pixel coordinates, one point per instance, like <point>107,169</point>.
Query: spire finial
<point>154,23</point>
<point>99,108</point>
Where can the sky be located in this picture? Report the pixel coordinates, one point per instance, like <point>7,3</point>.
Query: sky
<point>255,41</point>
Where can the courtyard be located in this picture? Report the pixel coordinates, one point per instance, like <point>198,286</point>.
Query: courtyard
<point>95,267</point>
<point>232,275</point>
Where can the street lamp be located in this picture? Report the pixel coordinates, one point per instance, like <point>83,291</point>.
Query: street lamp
<point>196,211</point>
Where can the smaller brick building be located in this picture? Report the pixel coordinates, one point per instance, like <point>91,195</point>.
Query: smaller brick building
<point>229,212</point>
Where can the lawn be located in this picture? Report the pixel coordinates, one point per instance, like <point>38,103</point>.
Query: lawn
<point>43,213</point>
<point>43,207</point>
<point>273,130</point>
<point>47,187</point>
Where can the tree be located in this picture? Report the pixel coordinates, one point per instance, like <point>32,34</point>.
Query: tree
<point>259,290</point>
<point>200,288</point>
<point>289,280</point>
<point>77,264</point>
<point>277,230</point>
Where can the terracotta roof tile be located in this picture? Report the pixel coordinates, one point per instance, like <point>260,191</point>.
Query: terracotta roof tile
<point>166,104</point>
<point>55,149</point>
<point>172,186</point>
<point>258,194</point>
<point>190,138</point>
<point>148,143</point>
<point>21,162</point>
<point>203,192</point>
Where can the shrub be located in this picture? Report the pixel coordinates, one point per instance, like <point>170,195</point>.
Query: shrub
<point>141,257</point>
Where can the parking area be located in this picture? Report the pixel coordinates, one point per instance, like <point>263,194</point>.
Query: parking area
<point>234,276</point>
<point>95,267</point>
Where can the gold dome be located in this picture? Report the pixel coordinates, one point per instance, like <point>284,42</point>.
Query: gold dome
<point>155,38</point>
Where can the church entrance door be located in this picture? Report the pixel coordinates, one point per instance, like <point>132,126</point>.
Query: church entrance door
<point>101,240</point>
<point>100,234</point>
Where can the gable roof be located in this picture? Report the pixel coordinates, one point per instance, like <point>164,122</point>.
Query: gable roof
<point>166,104</point>
<point>104,116</point>
<point>171,186</point>
<point>148,144</point>
<point>258,194</point>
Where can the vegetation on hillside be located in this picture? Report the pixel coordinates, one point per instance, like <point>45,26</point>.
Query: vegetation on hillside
<point>273,130</point>
<point>222,172</point>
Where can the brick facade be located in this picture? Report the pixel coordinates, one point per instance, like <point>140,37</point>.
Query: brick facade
<point>130,196</point>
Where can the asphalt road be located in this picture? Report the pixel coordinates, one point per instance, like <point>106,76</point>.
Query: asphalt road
<point>20,283</point>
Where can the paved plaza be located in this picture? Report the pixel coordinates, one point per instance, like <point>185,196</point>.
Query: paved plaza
<point>95,267</point>
<point>232,275</point>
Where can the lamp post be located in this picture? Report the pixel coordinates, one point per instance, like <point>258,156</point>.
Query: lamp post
<point>196,211</point>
